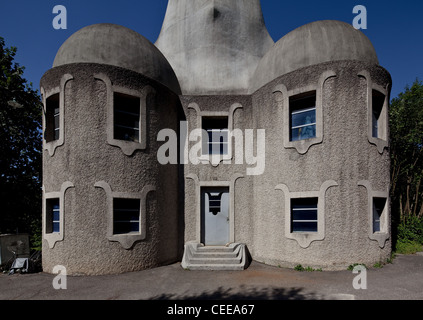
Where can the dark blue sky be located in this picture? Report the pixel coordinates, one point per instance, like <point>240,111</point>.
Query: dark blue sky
<point>394,27</point>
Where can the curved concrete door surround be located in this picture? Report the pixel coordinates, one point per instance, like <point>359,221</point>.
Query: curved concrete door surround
<point>215,216</point>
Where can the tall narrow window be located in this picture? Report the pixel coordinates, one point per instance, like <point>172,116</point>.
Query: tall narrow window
<point>378,210</point>
<point>126,216</point>
<point>52,130</point>
<point>303,116</point>
<point>126,117</point>
<point>53,215</point>
<point>304,215</point>
<point>216,131</point>
<point>378,122</point>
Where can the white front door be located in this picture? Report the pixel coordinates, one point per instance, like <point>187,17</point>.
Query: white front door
<point>215,216</point>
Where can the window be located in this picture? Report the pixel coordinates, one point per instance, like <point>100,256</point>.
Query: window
<point>215,199</point>
<point>303,116</point>
<point>126,117</point>
<point>378,123</point>
<point>378,209</point>
<point>53,215</point>
<point>378,213</point>
<point>377,112</point>
<point>304,215</point>
<point>126,216</point>
<point>52,132</point>
<point>215,139</point>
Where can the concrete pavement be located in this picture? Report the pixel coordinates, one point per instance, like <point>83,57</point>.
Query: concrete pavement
<point>400,280</point>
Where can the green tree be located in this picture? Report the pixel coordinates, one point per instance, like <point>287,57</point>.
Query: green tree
<point>406,131</point>
<point>20,149</point>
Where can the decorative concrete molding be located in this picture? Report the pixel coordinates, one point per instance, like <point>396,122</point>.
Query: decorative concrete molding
<point>127,147</point>
<point>231,185</point>
<point>302,146</point>
<point>380,143</point>
<point>126,240</point>
<point>215,160</point>
<point>382,236</point>
<point>54,237</point>
<point>53,145</point>
<point>304,239</point>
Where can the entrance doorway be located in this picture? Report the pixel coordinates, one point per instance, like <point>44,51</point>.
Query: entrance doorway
<point>215,216</point>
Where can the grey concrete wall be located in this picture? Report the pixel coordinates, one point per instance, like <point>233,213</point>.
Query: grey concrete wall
<point>214,46</point>
<point>242,118</point>
<point>345,156</point>
<point>86,158</point>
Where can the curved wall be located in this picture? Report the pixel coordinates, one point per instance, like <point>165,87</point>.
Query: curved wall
<point>87,171</point>
<point>344,167</point>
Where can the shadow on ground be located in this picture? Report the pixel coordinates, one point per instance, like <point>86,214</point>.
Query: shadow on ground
<point>243,293</point>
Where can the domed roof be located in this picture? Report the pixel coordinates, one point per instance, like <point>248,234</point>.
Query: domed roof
<point>313,43</point>
<point>119,46</point>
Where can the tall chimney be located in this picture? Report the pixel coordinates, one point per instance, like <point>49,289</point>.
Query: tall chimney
<point>214,46</point>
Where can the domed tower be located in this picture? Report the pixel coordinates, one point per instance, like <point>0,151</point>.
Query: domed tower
<point>109,206</point>
<point>327,154</point>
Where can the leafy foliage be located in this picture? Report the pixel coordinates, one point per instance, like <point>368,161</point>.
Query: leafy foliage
<point>406,131</point>
<point>20,148</point>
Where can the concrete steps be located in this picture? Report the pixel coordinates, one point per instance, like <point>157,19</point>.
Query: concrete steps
<point>199,257</point>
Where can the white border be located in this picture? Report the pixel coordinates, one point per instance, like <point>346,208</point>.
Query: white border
<point>206,158</point>
<point>302,146</point>
<point>198,185</point>
<point>380,143</point>
<point>127,147</point>
<point>52,145</point>
<point>126,240</point>
<point>54,237</point>
<point>304,239</point>
<point>384,234</point>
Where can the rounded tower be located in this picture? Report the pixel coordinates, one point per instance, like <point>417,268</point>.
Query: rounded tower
<point>109,206</point>
<point>324,102</point>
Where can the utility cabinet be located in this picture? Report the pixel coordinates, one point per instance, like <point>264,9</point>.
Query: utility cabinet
<point>11,244</point>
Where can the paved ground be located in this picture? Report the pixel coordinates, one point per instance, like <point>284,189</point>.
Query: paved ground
<point>401,280</point>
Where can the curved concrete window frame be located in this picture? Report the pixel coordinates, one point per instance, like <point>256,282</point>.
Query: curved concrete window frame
<point>381,236</point>
<point>127,147</point>
<point>282,96</point>
<point>54,237</point>
<point>216,159</point>
<point>200,184</point>
<point>380,143</point>
<point>126,240</point>
<point>53,145</point>
<point>304,239</point>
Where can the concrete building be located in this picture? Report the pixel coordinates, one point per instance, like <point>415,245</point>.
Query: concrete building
<point>215,145</point>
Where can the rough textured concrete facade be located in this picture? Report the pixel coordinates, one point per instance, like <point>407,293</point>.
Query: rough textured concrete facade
<point>86,159</point>
<point>344,167</point>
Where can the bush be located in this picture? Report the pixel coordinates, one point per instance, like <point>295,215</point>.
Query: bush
<point>410,235</point>
<point>408,247</point>
<point>411,230</point>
